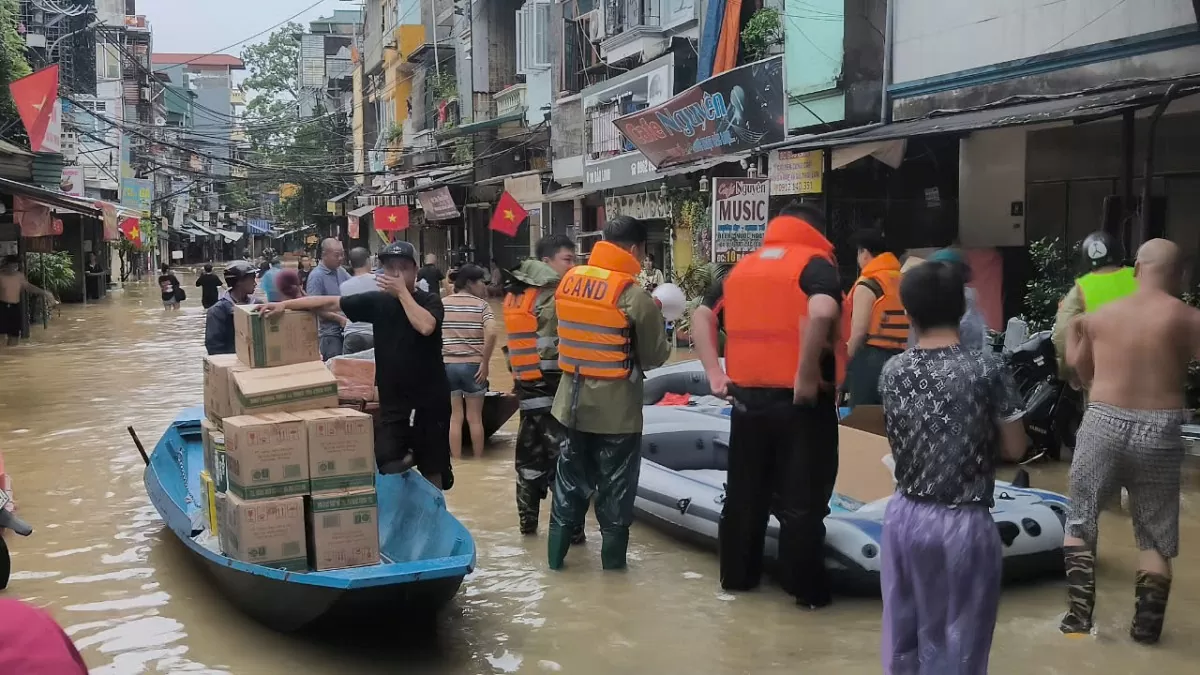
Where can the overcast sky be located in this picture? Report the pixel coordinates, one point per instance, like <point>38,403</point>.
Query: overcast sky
<point>212,25</point>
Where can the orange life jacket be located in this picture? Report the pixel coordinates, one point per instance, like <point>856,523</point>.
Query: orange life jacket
<point>521,323</point>
<point>764,306</point>
<point>594,338</point>
<point>888,328</point>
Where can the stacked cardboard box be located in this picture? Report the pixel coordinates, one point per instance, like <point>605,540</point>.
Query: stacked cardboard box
<point>289,478</point>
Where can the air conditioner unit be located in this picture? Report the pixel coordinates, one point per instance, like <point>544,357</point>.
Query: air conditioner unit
<point>595,25</point>
<point>145,93</point>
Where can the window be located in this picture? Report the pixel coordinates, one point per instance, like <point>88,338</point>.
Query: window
<point>533,37</point>
<point>88,122</point>
<point>108,62</point>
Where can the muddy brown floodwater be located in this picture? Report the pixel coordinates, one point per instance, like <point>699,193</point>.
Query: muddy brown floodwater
<point>103,564</point>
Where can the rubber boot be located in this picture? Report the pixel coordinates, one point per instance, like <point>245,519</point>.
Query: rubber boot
<point>578,537</point>
<point>1081,590</point>
<point>557,545</point>
<point>528,509</point>
<point>613,546</point>
<point>1150,608</point>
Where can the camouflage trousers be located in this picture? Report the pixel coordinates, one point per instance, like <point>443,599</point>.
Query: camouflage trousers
<point>539,439</point>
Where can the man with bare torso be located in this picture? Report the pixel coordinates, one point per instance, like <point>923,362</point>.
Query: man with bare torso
<point>1133,356</point>
<point>12,282</point>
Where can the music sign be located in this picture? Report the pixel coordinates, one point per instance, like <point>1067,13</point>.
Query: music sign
<point>739,214</point>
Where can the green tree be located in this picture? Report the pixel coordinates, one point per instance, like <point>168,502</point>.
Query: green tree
<point>13,66</point>
<point>1052,279</point>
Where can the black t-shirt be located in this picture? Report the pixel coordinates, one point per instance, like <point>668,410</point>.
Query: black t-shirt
<point>432,276</point>
<point>210,285</point>
<point>169,283</point>
<point>820,277</point>
<point>409,370</point>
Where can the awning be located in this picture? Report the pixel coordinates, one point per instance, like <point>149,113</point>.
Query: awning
<point>230,235</point>
<point>51,198</point>
<point>482,125</point>
<point>568,194</point>
<point>499,180</point>
<point>361,211</point>
<point>1093,106</point>
<point>342,197</point>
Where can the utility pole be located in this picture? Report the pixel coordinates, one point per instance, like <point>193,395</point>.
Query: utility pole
<point>437,63</point>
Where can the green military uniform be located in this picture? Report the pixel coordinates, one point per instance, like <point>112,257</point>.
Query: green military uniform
<point>539,435</point>
<point>603,450</point>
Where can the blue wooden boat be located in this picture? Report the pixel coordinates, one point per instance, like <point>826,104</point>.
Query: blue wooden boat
<point>426,550</point>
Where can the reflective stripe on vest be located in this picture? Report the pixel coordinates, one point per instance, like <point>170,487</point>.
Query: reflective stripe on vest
<point>763,307</point>
<point>521,323</point>
<point>888,328</point>
<point>593,334</point>
<point>1101,288</point>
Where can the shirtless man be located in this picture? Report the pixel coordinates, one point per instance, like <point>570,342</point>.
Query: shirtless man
<point>12,282</point>
<point>1133,356</point>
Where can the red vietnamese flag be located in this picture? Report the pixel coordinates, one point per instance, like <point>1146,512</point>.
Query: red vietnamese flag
<point>388,218</point>
<point>34,96</point>
<point>129,228</point>
<point>508,216</point>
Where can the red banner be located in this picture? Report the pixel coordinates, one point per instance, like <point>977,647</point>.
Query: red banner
<point>34,218</point>
<point>35,96</point>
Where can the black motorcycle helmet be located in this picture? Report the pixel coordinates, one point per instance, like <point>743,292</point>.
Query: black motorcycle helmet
<point>398,249</point>
<point>1100,249</point>
<point>238,270</point>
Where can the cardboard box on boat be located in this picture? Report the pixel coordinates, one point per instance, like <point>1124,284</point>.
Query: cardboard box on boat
<point>341,449</point>
<point>303,386</point>
<point>215,461</point>
<point>280,340</point>
<point>355,377</point>
<point>266,532</point>
<point>267,455</point>
<point>343,529</point>
<point>862,448</point>
<point>218,385</point>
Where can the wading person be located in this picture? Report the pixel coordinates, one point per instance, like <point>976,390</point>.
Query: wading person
<point>941,555</point>
<point>430,276</point>
<point>210,287</point>
<point>468,340</point>
<point>168,283</point>
<point>610,331</point>
<point>780,310</point>
<point>874,324</point>
<point>532,351</point>
<point>12,282</point>
<point>1106,281</point>
<point>359,336</point>
<point>414,394</point>
<point>241,278</point>
<point>1133,354</point>
<point>326,280</point>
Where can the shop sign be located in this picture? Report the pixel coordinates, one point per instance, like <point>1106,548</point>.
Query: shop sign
<point>628,169</point>
<point>643,206</point>
<point>438,204</point>
<point>735,111</point>
<point>740,214</point>
<point>796,173</point>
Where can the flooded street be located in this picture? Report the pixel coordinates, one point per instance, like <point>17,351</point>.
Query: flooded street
<point>103,564</point>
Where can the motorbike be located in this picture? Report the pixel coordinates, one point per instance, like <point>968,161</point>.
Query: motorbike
<point>8,521</point>
<point>1053,408</point>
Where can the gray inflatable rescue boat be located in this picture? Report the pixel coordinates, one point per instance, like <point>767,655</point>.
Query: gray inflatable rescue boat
<point>681,490</point>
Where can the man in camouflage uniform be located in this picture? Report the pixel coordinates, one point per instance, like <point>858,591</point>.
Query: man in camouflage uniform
<point>532,353</point>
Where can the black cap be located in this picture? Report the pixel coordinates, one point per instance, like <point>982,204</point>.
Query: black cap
<point>398,249</point>
<point>238,269</point>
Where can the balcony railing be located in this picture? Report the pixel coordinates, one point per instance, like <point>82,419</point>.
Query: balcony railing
<point>510,99</point>
<point>623,15</point>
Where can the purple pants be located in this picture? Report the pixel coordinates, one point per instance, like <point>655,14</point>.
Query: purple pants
<point>941,588</point>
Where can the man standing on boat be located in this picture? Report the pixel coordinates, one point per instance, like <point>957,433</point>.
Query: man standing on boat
<point>532,351</point>
<point>780,308</point>
<point>240,277</point>
<point>610,331</point>
<point>414,392</point>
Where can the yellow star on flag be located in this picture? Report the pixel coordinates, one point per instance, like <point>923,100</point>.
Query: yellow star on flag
<point>392,218</point>
<point>508,214</point>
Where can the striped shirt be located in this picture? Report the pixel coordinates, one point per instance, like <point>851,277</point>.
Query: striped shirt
<point>463,329</point>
